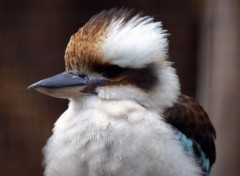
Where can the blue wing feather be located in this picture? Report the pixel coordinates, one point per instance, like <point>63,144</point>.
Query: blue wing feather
<point>194,150</point>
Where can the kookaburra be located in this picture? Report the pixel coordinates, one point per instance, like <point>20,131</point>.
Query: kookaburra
<point>126,116</point>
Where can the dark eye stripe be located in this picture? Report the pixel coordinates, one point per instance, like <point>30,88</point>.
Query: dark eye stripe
<point>144,78</point>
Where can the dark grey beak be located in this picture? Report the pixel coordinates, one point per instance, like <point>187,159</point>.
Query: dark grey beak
<point>68,85</point>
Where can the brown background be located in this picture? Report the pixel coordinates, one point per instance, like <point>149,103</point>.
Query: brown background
<point>204,43</point>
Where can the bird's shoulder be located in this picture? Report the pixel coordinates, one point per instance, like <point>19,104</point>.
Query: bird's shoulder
<point>188,117</point>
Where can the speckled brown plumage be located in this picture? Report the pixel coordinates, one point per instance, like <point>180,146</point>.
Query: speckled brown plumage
<point>190,118</point>
<point>83,49</point>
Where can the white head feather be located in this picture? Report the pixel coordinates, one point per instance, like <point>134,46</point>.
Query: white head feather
<point>136,43</point>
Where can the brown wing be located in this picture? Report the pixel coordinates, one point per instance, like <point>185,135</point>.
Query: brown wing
<point>189,117</point>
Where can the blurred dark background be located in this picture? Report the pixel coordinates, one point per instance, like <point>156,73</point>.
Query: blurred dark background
<point>204,44</point>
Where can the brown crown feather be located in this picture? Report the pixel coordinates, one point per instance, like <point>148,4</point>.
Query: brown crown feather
<point>83,52</point>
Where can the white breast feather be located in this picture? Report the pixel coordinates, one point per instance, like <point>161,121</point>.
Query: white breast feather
<point>97,137</point>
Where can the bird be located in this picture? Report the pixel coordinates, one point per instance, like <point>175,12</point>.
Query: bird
<point>126,114</point>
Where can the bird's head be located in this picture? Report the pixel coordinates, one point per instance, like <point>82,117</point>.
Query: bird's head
<point>117,55</point>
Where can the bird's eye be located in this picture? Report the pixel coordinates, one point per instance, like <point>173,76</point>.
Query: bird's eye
<point>112,71</point>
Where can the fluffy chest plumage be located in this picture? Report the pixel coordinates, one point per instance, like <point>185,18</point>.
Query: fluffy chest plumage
<point>114,138</point>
